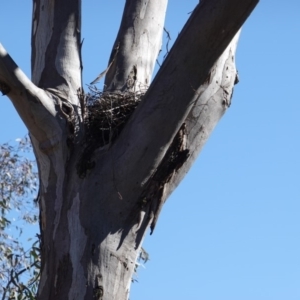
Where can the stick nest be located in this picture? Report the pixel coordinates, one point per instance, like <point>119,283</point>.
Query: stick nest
<point>107,113</point>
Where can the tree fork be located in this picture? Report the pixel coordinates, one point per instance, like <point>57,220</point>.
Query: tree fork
<point>91,226</point>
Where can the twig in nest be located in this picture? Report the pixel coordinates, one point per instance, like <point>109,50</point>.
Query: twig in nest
<point>116,50</point>
<point>168,41</point>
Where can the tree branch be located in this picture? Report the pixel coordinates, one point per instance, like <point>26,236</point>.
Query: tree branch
<point>174,91</point>
<point>34,105</point>
<point>137,45</point>
<point>214,99</point>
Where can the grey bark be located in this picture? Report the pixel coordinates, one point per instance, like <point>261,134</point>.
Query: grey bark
<point>92,224</point>
<point>140,35</point>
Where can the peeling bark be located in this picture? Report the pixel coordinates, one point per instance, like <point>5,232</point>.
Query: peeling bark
<point>93,223</point>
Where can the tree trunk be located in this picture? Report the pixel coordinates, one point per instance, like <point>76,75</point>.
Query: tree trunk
<point>97,200</point>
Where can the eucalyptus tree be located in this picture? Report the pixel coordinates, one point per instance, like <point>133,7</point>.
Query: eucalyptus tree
<point>109,160</point>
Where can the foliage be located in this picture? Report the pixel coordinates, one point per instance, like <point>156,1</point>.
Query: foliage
<point>19,268</point>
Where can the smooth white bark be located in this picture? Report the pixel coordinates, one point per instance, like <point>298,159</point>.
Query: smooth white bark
<point>137,46</point>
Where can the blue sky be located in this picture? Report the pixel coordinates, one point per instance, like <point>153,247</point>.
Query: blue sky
<point>231,229</point>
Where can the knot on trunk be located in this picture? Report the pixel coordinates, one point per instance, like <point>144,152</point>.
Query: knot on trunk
<point>98,290</point>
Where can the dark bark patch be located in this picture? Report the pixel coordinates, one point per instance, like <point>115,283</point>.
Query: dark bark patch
<point>93,249</point>
<point>152,198</point>
<point>98,292</point>
<point>98,289</point>
<point>173,160</point>
<point>237,79</point>
<point>4,88</point>
<point>64,275</point>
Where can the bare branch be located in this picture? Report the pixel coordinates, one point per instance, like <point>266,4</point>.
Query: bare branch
<point>33,104</point>
<point>137,45</point>
<point>214,99</point>
<point>169,100</point>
